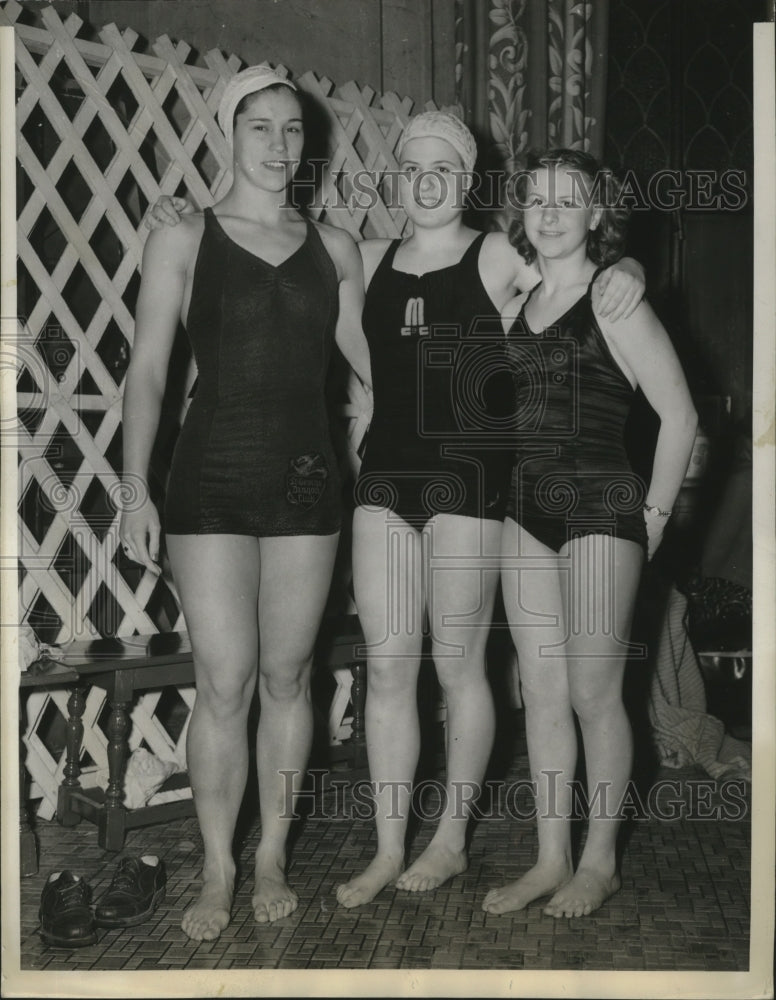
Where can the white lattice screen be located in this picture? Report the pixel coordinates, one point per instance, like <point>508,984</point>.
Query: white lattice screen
<point>102,131</point>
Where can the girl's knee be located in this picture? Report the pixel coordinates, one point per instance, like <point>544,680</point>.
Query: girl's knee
<point>391,676</point>
<point>225,693</point>
<point>285,682</point>
<point>542,694</point>
<point>449,644</point>
<point>458,668</point>
<point>596,705</point>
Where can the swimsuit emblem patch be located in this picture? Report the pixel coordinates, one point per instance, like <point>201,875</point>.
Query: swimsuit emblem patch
<point>414,318</point>
<point>306,480</point>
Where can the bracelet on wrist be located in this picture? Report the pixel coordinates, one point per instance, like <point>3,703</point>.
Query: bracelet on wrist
<point>656,511</point>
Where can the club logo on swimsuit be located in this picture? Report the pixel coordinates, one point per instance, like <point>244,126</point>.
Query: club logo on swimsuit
<point>306,480</point>
<point>414,318</point>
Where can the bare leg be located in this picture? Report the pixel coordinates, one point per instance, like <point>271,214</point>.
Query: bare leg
<point>295,579</point>
<point>218,580</point>
<point>533,578</point>
<point>387,575</point>
<point>463,578</point>
<point>600,621</point>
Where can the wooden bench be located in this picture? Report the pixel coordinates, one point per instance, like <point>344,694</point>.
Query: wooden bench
<point>123,667</point>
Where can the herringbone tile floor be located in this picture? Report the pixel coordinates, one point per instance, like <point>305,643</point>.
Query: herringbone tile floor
<point>684,903</point>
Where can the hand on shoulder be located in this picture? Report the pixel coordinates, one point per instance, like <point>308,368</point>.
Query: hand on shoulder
<point>174,245</point>
<point>189,227</point>
<point>641,319</point>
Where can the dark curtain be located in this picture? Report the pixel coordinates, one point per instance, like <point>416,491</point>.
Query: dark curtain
<point>532,73</point>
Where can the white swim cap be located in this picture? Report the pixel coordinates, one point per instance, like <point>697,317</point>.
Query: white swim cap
<point>247,81</point>
<point>442,125</point>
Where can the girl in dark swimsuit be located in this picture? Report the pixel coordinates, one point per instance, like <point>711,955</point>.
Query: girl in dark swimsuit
<point>578,522</point>
<point>253,509</point>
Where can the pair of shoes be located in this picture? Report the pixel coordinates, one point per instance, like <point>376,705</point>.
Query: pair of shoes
<point>66,916</point>
<point>137,888</point>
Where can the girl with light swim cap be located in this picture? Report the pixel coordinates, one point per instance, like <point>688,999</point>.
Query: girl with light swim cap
<point>253,504</point>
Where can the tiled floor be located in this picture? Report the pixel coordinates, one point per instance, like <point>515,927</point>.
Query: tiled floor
<point>684,903</point>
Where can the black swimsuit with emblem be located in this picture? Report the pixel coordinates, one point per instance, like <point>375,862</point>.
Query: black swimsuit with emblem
<point>571,475</point>
<point>254,456</point>
<point>439,441</point>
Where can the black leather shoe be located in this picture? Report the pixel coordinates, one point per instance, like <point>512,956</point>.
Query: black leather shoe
<point>66,918</point>
<point>137,888</point>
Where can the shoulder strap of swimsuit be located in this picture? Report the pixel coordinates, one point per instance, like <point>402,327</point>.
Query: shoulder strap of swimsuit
<point>317,248</point>
<point>213,230</point>
<point>473,248</point>
<point>385,263</point>
<point>599,270</point>
<point>471,255</point>
<point>387,258</point>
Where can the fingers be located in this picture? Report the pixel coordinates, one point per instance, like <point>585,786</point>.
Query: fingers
<point>654,536</point>
<point>172,209</point>
<point>165,212</point>
<point>619,293</point>
<point>138,550</point>
<point>630,299</point>
<point>154,533</point>
<point>606,288</point>
<point>142,557</point>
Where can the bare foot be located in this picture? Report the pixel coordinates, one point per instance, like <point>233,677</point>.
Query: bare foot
<point>538,881</point>
<point>364,887</point>
<point>585,892</point>
<point>209,915</point>
<point>272,896</point>
<point>435,865</point>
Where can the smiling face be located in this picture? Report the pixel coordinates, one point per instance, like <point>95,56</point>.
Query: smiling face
<point>268,137</point>
<point>432,181</point>
<point>557,215</point>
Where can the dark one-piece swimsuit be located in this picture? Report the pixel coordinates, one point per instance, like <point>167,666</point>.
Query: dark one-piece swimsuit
<point>254,455</point>
<point>571,474</point>
<point>439,441</point>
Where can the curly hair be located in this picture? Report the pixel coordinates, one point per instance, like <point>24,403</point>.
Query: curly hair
<point>605,243</point>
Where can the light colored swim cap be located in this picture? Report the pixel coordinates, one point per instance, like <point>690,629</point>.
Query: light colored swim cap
<point>247,81</point>
<point>442,125</point>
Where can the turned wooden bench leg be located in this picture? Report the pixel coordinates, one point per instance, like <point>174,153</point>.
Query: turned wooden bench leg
<point>112,823</point>
<point>74,733</point>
